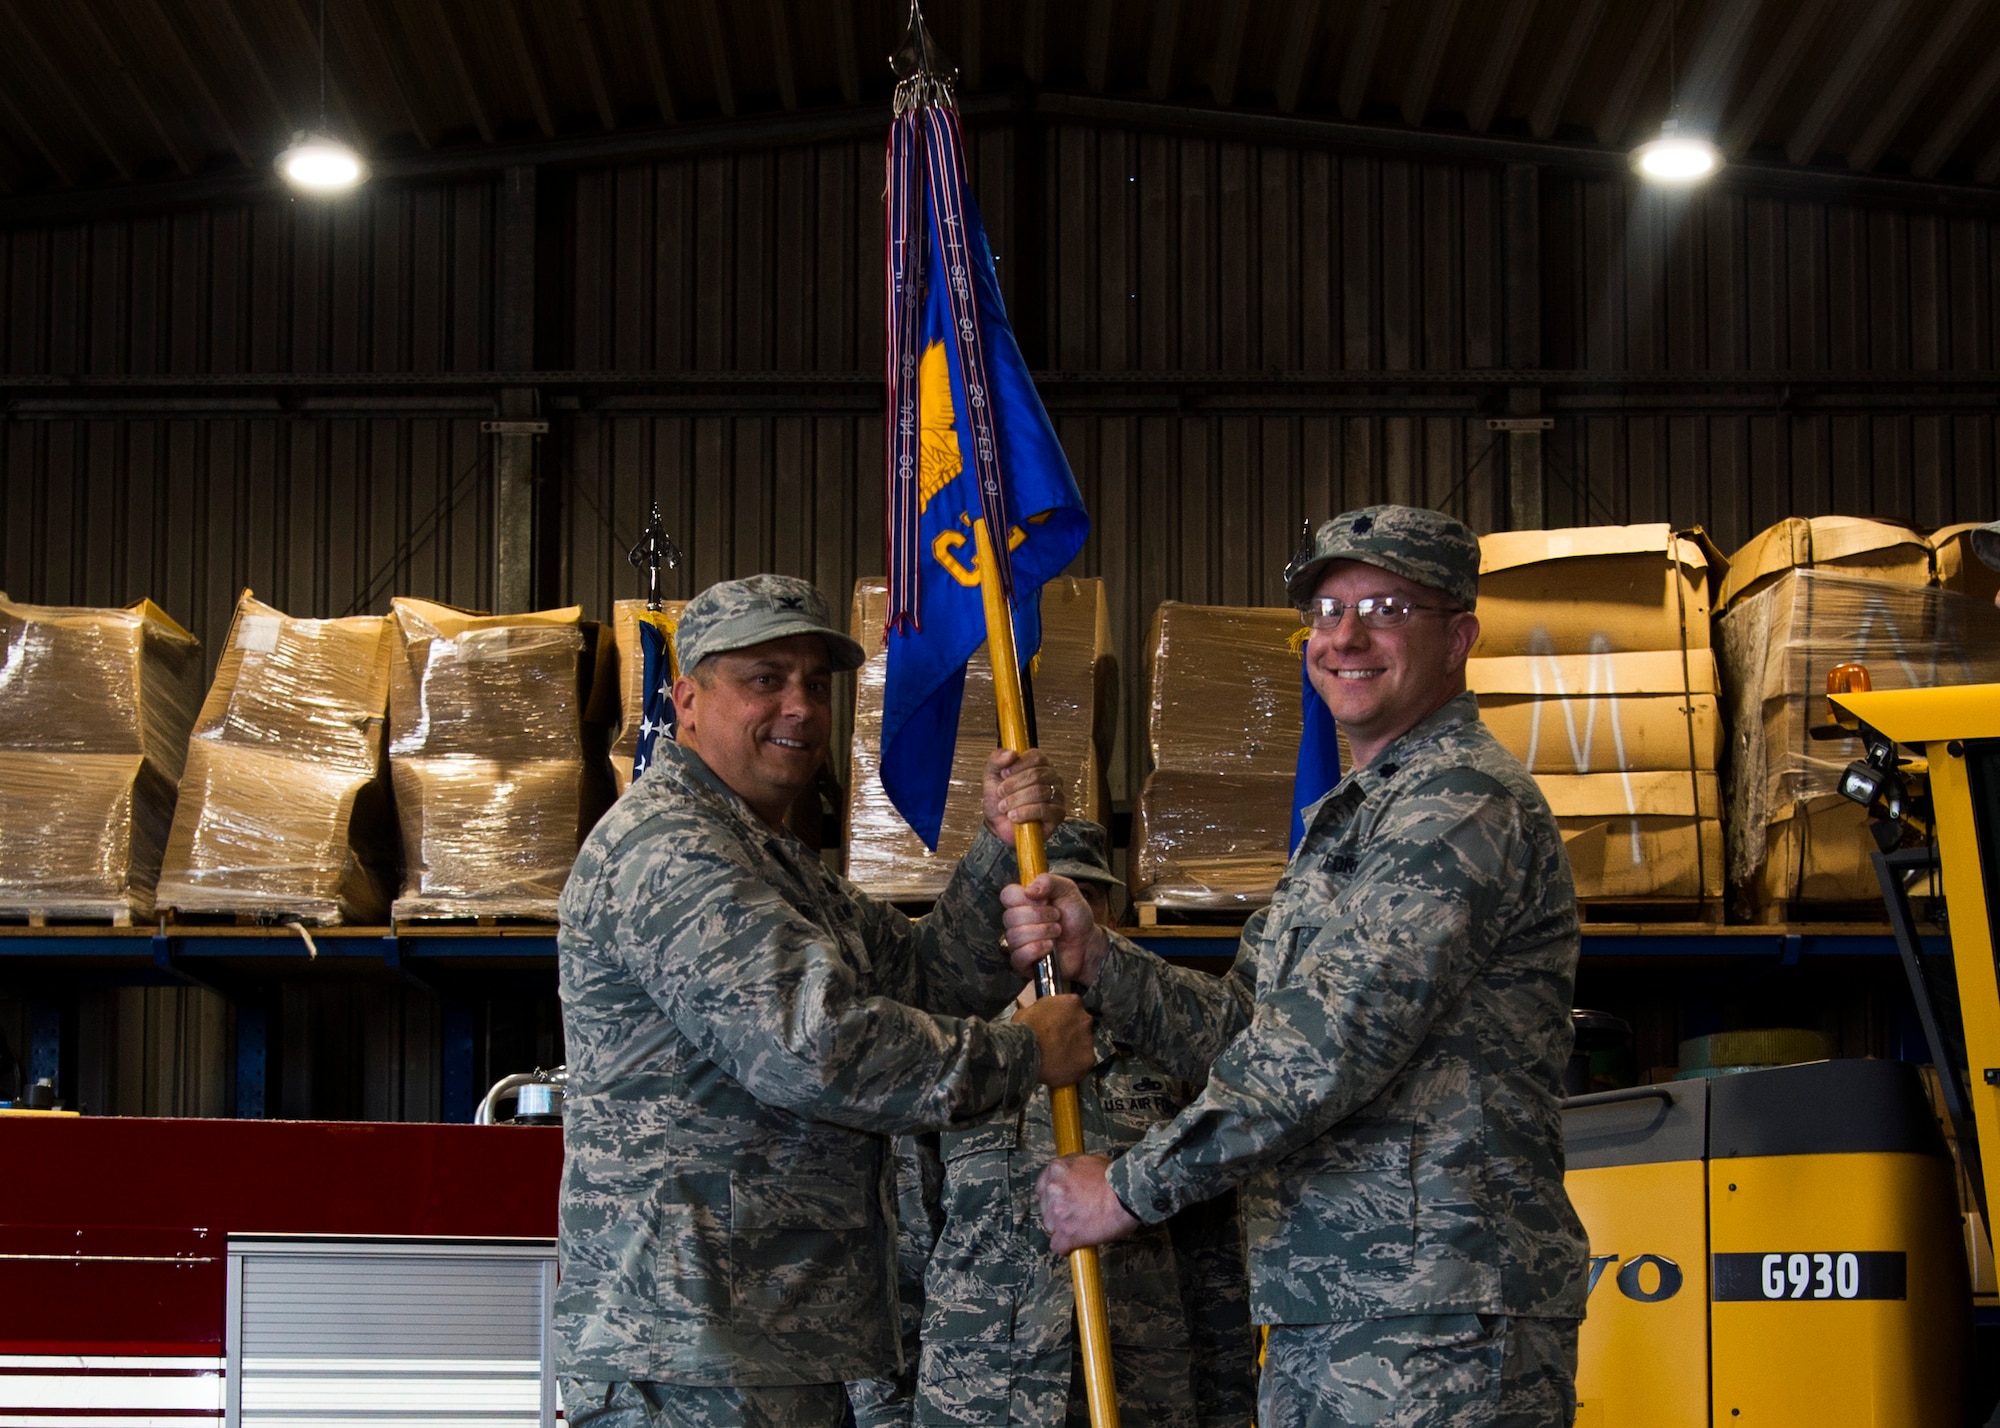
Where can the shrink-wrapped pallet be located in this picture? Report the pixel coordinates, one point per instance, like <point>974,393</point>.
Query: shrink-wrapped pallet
<point>1075,682</point>
<point>1625,748</point>
<point>498,774</point>
<point>1222,729</point>
<point>95,707</point>
<point>1792,837</point>
<point>1863,549</point>
<point>284,810</point>
<point>621,673</point>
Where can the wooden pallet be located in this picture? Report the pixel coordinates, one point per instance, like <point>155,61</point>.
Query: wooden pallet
<point>477,919</point>
<point>1786,911</point>
<point>1151,914</point>
<point>267,917</point>
<point>89,912</point>
<point>1652,912</point>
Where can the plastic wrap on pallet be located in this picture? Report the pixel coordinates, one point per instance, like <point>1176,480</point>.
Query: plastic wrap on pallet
<point>624,672</point>
<point>95,707</point>
<point>1074,684</point>
<point>1884,551</point>
<point>1222,728</point>
<point>1777,646</point>
<point>1625,747</point>
<point>498,775</point>
<point>284,809</point>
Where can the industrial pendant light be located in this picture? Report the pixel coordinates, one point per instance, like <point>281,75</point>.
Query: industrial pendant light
<point>316,162</point>
<point>1676,158</point>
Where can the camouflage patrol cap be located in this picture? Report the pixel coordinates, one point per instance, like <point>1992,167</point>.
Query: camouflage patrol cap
<point>1428,547</point>
<point>736,614</point>
<point>1986,544</point>
<point>1077,852</point>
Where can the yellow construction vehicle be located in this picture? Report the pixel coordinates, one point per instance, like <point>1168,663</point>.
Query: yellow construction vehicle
<point>1786,1246</point>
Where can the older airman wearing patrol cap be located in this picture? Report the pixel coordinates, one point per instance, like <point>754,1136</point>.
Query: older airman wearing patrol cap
<point>746,1031</point>
<point>1384,1059</point>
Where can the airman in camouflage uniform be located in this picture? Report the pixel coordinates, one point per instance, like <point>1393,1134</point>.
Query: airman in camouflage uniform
<point>999,1338</point>
<point>1384,1058</point>
<point>889,1401</point>
<point>744,1037</point>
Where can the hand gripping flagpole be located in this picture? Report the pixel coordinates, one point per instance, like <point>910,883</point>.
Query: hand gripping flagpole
<point>1066,1111</point>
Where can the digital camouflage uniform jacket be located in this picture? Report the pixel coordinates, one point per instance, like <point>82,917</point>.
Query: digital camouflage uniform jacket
<point>1387,1050</point>
<point>998,1307</point>
<point>743,1040</point>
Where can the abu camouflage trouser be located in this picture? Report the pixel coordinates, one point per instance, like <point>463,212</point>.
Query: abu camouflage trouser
<point>677,1405</point>
<point>1421,1371</point>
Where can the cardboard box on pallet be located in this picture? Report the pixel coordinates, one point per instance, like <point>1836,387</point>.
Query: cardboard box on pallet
<point>1213,826</point>
<point>1595,590</point>
<point>1864,549</point>
<point>498,773</point>
<point>1625,748</point>
<point>1791,837</point>
<point>1075,688</point>
<point>1954,566</point>
<point>94,719</point>
<point>285,809</point>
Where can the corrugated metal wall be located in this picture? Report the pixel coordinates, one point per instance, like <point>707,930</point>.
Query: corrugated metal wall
<point>1237,337</point>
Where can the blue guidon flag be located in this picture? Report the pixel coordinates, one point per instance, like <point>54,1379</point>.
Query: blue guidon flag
<point>968,440</point>
<point>657,718</point>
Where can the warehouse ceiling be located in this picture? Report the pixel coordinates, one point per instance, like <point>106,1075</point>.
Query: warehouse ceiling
<point>117,101</point>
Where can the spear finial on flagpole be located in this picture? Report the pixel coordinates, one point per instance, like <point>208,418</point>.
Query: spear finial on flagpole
<point>923,74</point>
<point>655,548</point>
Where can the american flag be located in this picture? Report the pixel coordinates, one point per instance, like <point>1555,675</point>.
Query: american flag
<point>656,709</point>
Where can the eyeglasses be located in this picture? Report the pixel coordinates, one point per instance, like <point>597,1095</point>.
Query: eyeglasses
<point>1377,612</point>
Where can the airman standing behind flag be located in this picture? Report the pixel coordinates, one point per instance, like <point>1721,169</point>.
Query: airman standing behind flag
<point>1385,1058</point>
<point>746,1031</point>
<point>999,1336</point>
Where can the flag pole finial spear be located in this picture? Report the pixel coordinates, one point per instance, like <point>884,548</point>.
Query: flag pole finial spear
<point>655,548</point>
<point>923,74</point>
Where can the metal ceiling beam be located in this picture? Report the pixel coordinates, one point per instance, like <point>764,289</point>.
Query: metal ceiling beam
<point>718,57</point>
<point>593,67</point>
<point>846,60</point>
<point>173,146</point>
<point>54,76</point>
<point>247,54</point>
<point>64,174</point>
<point>1748,122</point>
<point>1973,97</point>
<point>1548,110</point>
<point>1430,56</point>
<point>306,35</point>
<point>1878,18</point>
<point>454,46</point>
<point>524,62</point>
<point>191,72</point>
<point>1234,16</point>
<point>781,56</point>
<point>1361,52</point>
<point>1499,66</point>
<point>656,61</point>
<point>1616,115</point>
<point>1707,79</point>
<point>1916,80</point>
<point>871,121</point>
<point>361,28</point>
<point>1096,44</point>
<point>1300,30</point>
<point>1160,60</point>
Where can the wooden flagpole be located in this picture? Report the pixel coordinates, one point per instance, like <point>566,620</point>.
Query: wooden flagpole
<point>1030,849</point>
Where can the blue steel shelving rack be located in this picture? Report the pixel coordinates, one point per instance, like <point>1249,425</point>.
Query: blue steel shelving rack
<point>459,962</point>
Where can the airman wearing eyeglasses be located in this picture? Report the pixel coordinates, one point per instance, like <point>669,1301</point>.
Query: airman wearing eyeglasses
<point>1384,1060</point>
